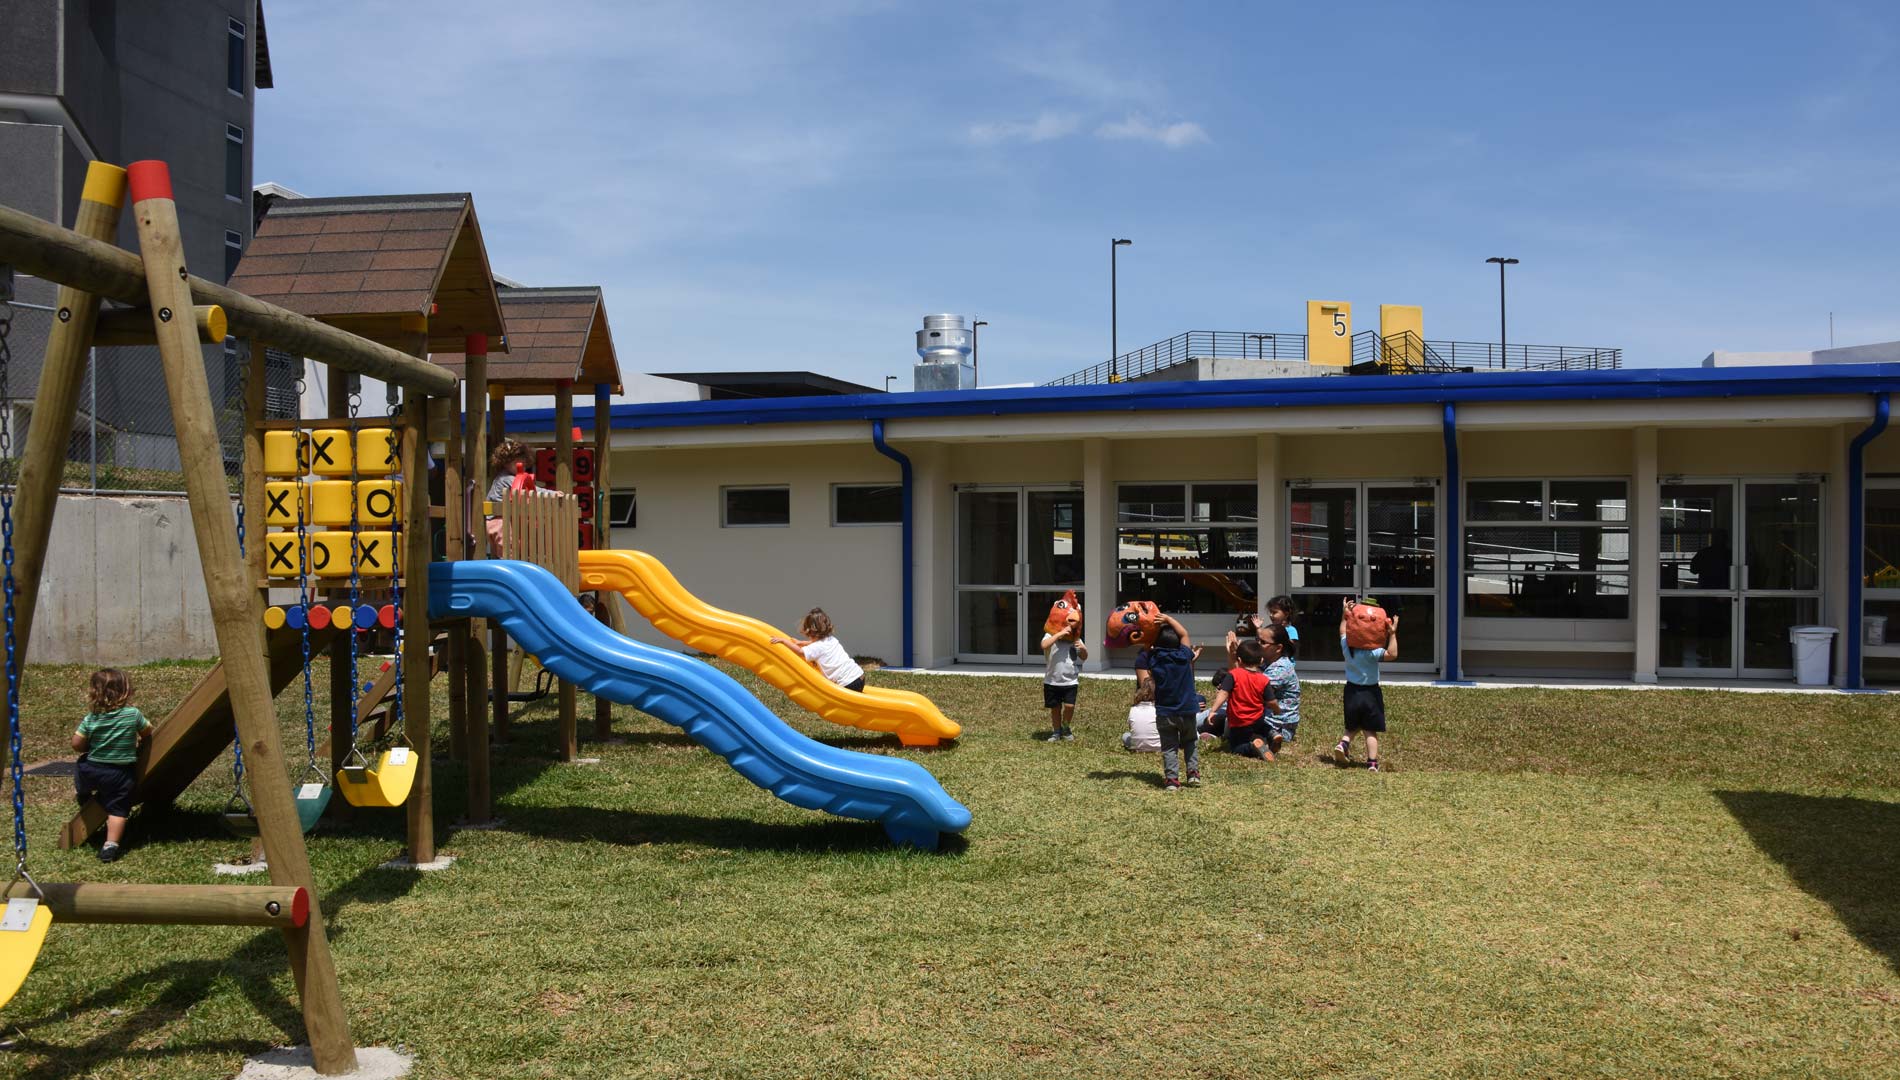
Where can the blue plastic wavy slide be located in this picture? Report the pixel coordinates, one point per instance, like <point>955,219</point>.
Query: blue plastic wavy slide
<point>707,704</point>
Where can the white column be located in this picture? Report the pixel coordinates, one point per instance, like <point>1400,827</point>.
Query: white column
<point>1272,495</point>
<point>933,523</point>
<point>1834,536</point>
<point>1645,514</point>
<point>1098,556</point>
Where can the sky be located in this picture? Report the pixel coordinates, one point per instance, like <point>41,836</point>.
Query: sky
<point>793,185</point>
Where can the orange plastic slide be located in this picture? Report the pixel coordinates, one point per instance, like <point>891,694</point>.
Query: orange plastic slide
<point>658,596</point>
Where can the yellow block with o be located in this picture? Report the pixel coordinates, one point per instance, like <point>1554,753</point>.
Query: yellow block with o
<point>330,452</point>
<point>378,502</point>
<point>284,504</point>
<point>376,451</point>
<point>286,453</point>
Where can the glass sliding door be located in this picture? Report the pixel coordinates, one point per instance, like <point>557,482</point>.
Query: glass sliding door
<point>1741,565</point>
<point>1365,539</point>
<point>1018,550</point>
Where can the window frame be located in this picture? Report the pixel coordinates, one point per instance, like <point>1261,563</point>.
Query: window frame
<point>725,506</point>
<point>233,242</point>
<point>1189,525</point>
<point>1547,519</point>
<point>236,31</point>
<point>836,524</point>
<point>633,510</point>
<point>234,138</point>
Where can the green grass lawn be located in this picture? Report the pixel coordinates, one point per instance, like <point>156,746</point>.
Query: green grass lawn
<point>1544,884</point>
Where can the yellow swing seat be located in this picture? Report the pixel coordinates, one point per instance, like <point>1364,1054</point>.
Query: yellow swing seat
<point>22,932</point>
<point>385,783</point>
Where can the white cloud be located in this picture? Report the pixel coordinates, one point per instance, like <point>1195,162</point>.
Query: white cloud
<point>1047,125</point>
<point>1173,136</point>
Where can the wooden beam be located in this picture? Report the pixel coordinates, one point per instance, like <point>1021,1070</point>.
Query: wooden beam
<point>133,326</point>
<point>284,907</point>
<point>235,613</point>
<point>498,638</point>
<point>475,658</point>
<point>62,372</point>
<point>454,547</point>
<point>605,600</point>
<point>55,254</point>
<point>416,634</point>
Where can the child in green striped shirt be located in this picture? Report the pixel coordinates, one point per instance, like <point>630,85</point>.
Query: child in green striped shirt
<point>108,744</point>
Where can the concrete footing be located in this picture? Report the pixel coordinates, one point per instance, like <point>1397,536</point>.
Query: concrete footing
<point>294,1063</point>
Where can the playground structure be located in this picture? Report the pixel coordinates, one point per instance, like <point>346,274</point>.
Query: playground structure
<point>339,508</point>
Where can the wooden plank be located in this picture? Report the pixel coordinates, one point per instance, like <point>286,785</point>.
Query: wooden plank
<point>605,602</point>
<point>234,607</point>
<point>55,254</point>
<point>62,372</point>
<point>475,656</point>
<point>416,634</point>
<point>498,638</point>
<point>454,547</point>
<point>566,698</point>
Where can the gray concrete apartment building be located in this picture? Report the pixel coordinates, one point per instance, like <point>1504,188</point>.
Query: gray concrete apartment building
<point>120,81</point>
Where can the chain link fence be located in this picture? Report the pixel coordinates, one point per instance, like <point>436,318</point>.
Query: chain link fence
<point>122,438</point>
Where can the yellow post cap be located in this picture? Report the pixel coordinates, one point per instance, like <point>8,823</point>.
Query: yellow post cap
<point>216,322</point>
<point>104,184</point>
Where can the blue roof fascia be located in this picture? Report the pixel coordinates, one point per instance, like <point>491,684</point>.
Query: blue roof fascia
<point>1338,391</point>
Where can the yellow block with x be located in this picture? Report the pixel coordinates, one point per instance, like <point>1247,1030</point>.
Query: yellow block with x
<point>281,558</point>
<point>330,452</point>
<point>284,504</point>
<point>376,554</point>
<point>376,451</point>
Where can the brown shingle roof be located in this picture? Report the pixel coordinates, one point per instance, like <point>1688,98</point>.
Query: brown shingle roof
<point>367,262</point>
<point>553,334</point>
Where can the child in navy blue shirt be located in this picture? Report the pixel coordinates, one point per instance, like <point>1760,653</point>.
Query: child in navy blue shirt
<point>1365,702</point>
<point>1170,666</point>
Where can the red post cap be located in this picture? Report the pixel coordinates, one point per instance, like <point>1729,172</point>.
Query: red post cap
<point>476,345</point>
<point>148,180</point>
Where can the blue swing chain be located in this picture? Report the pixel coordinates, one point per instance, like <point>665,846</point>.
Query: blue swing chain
<point>303,601</point>
<point>395,579</point>
<point>237,733</point>
<point>6,556</point>
<point>356,576</point>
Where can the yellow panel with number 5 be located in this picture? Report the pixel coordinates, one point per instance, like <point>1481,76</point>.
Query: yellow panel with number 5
<point>1329,332</point>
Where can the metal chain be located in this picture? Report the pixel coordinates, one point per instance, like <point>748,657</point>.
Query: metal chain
<point>6,557</point>
<point>395,578</point>
<point>303,601</point>
<point>356,577</point>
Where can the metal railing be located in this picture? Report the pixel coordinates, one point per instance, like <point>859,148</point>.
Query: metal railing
<point>1224,344</point>
<point>1401,354</point>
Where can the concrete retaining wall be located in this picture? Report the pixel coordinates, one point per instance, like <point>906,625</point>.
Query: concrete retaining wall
<point>123,585</point>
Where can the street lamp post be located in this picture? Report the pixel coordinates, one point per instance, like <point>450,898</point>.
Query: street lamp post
<point>1502,263</point>
<point>1114,327</point>
<point>976,373</point>
<point>1260,351</point>
<point>887,382</point>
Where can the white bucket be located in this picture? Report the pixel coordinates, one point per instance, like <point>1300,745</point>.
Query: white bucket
<point>1813,649</point>
<point>1873,630</point>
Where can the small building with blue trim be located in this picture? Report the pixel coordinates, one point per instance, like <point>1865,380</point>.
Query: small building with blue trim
<point>1627,525</point>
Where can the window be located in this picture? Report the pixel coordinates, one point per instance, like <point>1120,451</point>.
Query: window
<point>867,504</point>
<point>621,507</point>
<point>752,507</point>
<point>234,162</point>
<point>234,58</point>
<point>1547,549</point>
<point>1191,548</point>
<point>233,251</point>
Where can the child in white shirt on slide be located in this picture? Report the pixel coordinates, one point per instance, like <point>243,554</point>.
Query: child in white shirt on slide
<point>824,651</point>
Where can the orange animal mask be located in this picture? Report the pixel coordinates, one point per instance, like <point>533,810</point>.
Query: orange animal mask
<point>1133,623</point>
<point>1064,614</point>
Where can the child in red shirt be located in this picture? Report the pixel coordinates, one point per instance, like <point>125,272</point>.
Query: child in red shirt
<point>1248,695</point>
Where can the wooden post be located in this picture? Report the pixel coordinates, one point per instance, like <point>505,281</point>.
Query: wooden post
<point>416,634</point>
<point>454,546</point>
<point>475,454</point>
<point>233,602</point>
<point>564,482</point>
<point>61,375</point>
<point>605,601</point>
<point>498,638</point>
<point>253,493</point>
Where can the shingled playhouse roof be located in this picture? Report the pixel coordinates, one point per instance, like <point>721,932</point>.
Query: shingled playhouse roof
<point>554,334</point>
<point>366,263</point>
